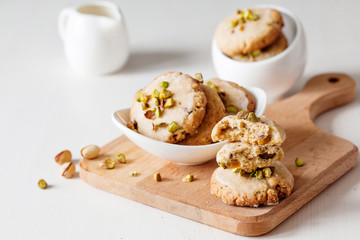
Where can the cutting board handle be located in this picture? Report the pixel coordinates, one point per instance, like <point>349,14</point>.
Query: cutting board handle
<point>324,92</point>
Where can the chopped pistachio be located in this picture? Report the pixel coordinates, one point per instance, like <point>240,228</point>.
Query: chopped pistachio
<point>120,157</point>
<point>132,125</point>
<point>252,117</point>
<point>138,97</point>
<point>173,127</point>
<point>157,112</point>
<point>242,19</point>
<point>143,106</point>
<point>157,177</point>
<point>150,114</point>
<point>155,93</point>
<point>143,98</point>
<point>236,170</point>
<point>156,101</point>
<point>253,174</point>
<point>159,124</point>
<point>250,170</point>
<point>199,77</point>
<point>242,172</point>
<point>164,94</point>
<point>188,178</point>
<point>162,124</point>
<point>259,174</point>
<point>298,162</point>
<point>252,16</point>
<point>267,172</point>
<point>107,163</point>
<point>164,84</point>
<point>42,184</point>
<point>169,103</point>
<point>212,86</point>
<point>231,109</point>
<point>133,173</point>
<point>234,23</point>
<point>242,114</point>
<point>162,104</point>
<point>256,52</point>
<point>222,164</point>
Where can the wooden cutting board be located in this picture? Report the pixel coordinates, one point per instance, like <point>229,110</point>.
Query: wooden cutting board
<point>326,158</point>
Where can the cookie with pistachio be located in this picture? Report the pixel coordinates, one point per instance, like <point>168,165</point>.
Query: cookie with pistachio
<point>272,50</point>
<point>247,30</point>
<point>236,188</point>
<point>170,107</point>
<point>246,156</point>
<point>248,128</point>
<point>215,111</point>
<point>234,97</point>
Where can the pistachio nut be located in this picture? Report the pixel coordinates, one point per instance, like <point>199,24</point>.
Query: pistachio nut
<point>252,117</point>
<point>234,23</point>
<point>242,114</point>
<point>222,164</point>
<point>120,157</point>
<point>212,86</point>
<point>298,162</point>
<point>155,93</point>
<point>63,157</point>
<point>133,173</point>
<point>157,177</point>
<point>138,96</point>
<point>267,172</point>
<point>169,103</point>
<point>164,84</point>
<point>199,77</point>
<point>107,163</point>
<point>90,151</point>
<point>164,94</point>
<point>188,178</point>
<point>68,170</point>
<point>132,125</point>
<point>173,127</point>
<point>143,98</point>
<point>259,174</point>
<point>231,109</point>
<point>42,184</point>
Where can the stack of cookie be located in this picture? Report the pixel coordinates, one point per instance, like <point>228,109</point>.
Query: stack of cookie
<point>250,173</point>
<point>178,108</point>
<point>250,35</point>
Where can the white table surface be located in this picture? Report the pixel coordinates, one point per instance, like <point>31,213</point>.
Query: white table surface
<point>45,107</point>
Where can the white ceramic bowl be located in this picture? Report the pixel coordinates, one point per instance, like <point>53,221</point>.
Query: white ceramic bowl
<point>275,75</point>
<point>187,155</point>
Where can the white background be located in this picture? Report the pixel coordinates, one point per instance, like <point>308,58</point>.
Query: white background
<point>45,107</point>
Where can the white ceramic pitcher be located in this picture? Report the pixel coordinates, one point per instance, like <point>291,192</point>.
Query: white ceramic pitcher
<point>95,37</point>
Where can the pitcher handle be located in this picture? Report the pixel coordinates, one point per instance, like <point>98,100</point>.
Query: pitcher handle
<point>64,14</point>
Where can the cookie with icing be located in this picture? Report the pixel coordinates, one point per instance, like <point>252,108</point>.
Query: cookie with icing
<point>170,107</point>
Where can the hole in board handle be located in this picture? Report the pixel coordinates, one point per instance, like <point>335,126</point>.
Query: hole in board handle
<point>333,79</point>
